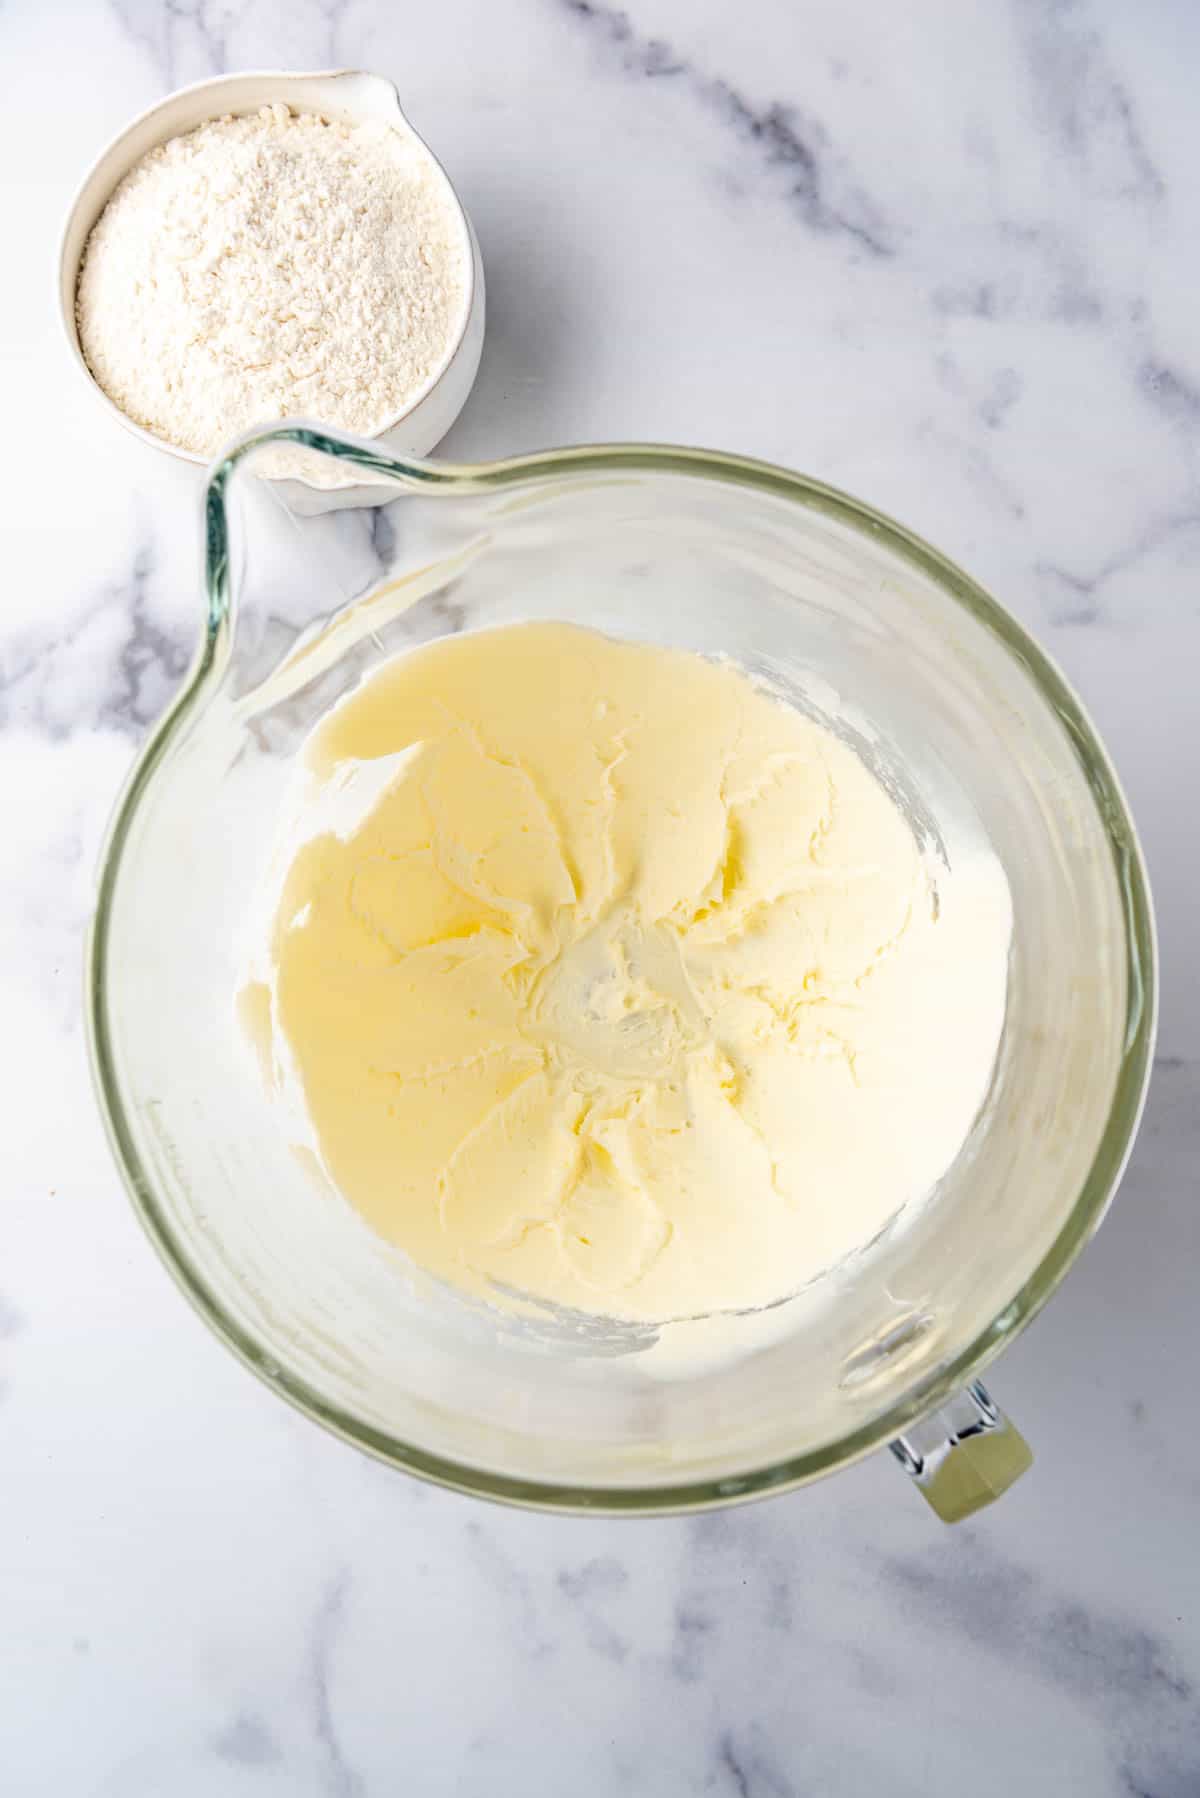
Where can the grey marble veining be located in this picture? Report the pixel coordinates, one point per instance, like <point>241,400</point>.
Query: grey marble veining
<point>942,255</point>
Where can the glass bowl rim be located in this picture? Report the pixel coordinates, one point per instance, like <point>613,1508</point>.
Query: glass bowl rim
<point>1112,1152</point>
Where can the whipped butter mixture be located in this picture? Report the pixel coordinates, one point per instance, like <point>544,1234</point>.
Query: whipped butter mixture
<point>632,991</point>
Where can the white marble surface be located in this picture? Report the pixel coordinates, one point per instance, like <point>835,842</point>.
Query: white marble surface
<point>943,254</point>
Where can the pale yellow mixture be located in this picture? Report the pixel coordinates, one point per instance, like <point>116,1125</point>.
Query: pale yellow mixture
<point>632,991</point>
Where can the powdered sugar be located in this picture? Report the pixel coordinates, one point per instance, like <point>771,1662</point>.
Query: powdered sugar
<point>273,265</point>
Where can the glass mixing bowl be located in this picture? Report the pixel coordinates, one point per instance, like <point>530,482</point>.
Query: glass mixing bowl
<point>856,621</point>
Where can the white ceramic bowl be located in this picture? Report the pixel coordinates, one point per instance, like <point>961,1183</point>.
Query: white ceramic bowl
<point>351,97</point>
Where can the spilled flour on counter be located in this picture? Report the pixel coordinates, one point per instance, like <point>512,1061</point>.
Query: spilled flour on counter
<point>263,267</point>
<point>628,987</point>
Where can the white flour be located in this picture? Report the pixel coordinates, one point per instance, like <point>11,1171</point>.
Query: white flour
<point>273,265</point>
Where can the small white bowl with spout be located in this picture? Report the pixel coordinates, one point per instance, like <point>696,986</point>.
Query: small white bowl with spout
<point>349,96</point>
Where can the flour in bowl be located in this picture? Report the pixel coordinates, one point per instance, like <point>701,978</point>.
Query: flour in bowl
<point>273,265</point>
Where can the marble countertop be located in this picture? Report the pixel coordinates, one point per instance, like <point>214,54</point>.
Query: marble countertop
<point>944,255</point>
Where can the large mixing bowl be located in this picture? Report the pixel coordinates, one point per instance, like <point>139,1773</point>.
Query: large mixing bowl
<point>859,623</point>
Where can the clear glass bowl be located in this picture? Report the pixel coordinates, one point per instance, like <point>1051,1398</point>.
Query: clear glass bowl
<point>854,618</point>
